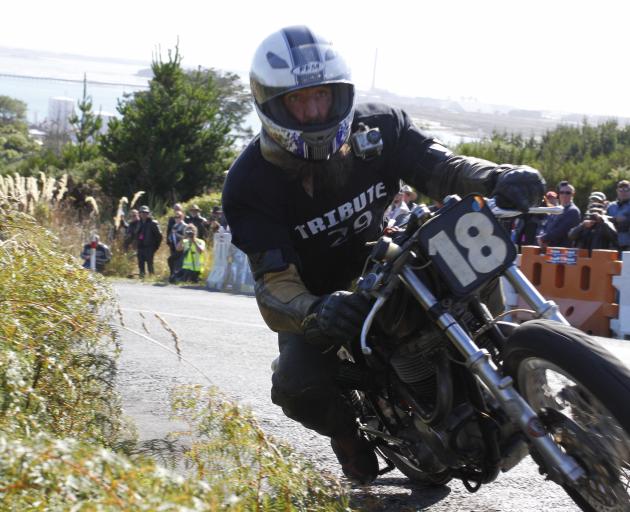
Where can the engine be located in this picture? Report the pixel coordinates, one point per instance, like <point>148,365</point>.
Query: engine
<point>414,363</point>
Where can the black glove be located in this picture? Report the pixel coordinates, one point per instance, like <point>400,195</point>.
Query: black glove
<point>519,188</point>
<point>336,318</point>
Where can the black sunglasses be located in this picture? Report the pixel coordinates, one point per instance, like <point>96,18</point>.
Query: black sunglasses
<point>565,192</point>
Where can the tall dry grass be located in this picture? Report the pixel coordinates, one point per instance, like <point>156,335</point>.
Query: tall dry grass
<point>44,197</point>
<point>63,442</point>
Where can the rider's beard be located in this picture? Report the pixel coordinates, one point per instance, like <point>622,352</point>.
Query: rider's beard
<point>322,176</point>
<point>317,176</point>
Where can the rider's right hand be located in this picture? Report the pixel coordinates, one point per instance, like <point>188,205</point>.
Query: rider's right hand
<point>521,188</point>
<point>337,317</point>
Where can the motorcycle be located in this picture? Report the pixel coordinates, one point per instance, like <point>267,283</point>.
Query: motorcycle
<point>445,388</point>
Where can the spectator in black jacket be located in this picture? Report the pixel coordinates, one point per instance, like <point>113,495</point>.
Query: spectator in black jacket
<point>149,238</point>
<point>556,232</point>
<point>596,231</point>
<point>173,256</point>
<point>201,223</point>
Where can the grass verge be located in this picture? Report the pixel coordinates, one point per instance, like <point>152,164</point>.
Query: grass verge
<point>63,444</point>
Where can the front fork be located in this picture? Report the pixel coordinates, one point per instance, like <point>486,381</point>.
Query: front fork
<point>562,468</point>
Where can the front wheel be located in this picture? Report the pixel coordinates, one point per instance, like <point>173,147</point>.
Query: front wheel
<point>581,393</point>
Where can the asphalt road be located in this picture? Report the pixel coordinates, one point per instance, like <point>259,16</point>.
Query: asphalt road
<point>225,343</point>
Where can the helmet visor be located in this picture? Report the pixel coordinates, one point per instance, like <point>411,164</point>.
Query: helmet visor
<point>342,101</point>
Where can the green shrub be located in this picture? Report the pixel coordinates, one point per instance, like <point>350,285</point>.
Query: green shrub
<point>56,369</point>
<point>206,202</point>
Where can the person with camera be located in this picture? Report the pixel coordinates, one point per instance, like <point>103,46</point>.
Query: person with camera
<point>192,249</point>
<point>596,231</point>
<point>307,194</point>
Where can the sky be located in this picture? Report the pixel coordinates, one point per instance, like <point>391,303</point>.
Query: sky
<point>557,55</point>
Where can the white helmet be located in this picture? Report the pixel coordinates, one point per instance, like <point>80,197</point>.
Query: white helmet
<point>295,58</point>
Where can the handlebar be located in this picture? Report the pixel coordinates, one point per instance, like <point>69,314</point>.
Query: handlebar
<point>502,213</point>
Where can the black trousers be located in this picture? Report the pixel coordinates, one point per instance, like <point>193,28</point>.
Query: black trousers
<point>174,260</point>
<point>145,256</point>
<point>304,386</point>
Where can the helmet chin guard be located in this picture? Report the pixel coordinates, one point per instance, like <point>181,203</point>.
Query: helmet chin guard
<point>295,58</point>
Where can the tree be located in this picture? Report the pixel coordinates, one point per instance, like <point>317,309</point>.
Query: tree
<point>15,142</point>
<point>85,126</point>
<point>15,145</point>
<point>175,139</point>
<point>590,157</point>
<point>12,110</point>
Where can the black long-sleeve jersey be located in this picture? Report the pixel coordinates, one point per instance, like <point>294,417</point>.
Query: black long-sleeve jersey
<point>325,235</point>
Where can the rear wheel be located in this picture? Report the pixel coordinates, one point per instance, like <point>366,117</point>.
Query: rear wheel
<point>581,393</point>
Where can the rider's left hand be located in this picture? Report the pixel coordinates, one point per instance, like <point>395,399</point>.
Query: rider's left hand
<point>520,188</point>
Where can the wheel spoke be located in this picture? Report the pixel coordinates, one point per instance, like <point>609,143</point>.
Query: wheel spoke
<point>585,429</point>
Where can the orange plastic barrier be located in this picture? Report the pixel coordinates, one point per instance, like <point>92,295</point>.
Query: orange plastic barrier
<point>579,284</point>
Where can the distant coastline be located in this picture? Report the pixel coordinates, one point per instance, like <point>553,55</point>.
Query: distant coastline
<point>71,80</point>
<point>24,53</point>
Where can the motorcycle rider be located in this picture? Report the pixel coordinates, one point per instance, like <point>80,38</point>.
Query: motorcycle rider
<point>307,194</point>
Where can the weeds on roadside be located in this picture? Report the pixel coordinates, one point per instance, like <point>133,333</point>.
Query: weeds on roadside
<point>56,369</point>
<point>60,417</point>
<point>230,452</point>
<point>248,474</point>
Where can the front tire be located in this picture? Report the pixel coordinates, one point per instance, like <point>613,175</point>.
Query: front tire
<point>581,392</point>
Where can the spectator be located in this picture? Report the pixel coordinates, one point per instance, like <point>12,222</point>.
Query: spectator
<point>177,233</point>
<point>409,196</point>
<point>192,249</point>
<point>217,220</point>
<point>556,233</point>
<point>595,231</point>
<point>177,207</point>
<point>198,221</point>
<point>101,251</point>
<point>396,207</point>
<point>598,197</point>
<point>149,238</point>
<point>551,198</point>
<point>527,228</point>
<point>170,241</point>
<point>131,230</point>
<point>619,211</point>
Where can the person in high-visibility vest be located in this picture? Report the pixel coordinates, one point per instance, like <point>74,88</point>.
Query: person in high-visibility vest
<point>193,249</point>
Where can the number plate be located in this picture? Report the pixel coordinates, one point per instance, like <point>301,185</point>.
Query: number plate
<point>467,245</point>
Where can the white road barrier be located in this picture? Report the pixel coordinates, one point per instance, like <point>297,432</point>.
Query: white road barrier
<point>230,269</point>
<point>241,279</point>
<point>221,249</point>
<point>620,326</point>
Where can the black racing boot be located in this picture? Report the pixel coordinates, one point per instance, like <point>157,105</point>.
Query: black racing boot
<point>356,456</point>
